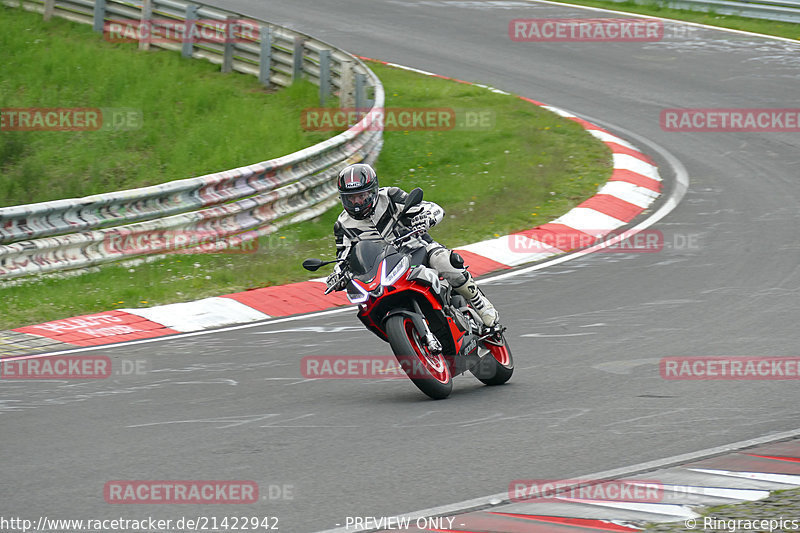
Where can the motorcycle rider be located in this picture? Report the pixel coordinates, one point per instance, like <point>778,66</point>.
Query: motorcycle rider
<point>368,209</point>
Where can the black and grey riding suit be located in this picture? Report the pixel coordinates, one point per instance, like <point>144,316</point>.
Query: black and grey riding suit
<point>448,264</point>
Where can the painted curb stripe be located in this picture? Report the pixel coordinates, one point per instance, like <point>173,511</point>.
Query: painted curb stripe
<point>634,164</point>
<point>590,221</point>
<point>665,509</point>
<point>200,314</point>
<point>718,492</point>
<point>98,328</point>
<point>295,298</point>
<point>590,523</point>
<point>553,233</point>
<point>610,139</point>
<point>628,150</point>
<point>628,176</point>
<point>639,196</point>
<point>786,479</point>
<point>749,463</point>
<point>480,264</point>
<point>586,124</point>
<point>612,206</point>
<point>791,459</point>
<point>511,250</point>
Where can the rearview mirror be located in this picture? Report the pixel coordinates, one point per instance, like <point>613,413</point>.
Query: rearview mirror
<point>313,264</point>
<point>413,198</point>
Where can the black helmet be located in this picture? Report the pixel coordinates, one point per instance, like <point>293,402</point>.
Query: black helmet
<point>358,189</point>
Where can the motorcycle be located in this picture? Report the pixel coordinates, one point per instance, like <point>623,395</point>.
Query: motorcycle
<point>433,331</point>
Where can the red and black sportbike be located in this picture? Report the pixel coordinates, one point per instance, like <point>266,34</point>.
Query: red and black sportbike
<point>434,332</point>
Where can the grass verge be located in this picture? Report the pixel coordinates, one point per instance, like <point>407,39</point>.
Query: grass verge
<point>525,169</point>
<point>195,120</point>
<point>789,30</point>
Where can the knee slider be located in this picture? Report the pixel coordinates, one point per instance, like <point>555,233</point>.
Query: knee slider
<point>456,260</point>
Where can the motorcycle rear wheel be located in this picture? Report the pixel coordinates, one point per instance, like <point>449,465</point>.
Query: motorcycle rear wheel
<point>495,367</point>
<point>429,372</point>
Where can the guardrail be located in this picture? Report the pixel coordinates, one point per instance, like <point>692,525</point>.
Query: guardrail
<point>781,10</point>
<point>227,208</point>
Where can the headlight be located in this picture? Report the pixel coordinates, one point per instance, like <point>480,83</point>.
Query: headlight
<point>397,271</point>
<point>356,293</point>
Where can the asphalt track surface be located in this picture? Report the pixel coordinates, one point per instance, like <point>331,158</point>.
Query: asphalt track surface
<point>587,334</point>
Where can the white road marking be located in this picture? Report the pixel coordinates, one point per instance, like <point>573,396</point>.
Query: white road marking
<point>787,479</point>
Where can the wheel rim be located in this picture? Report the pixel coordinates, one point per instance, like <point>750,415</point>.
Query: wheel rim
<point>499,352</point>
<point>433,363</point>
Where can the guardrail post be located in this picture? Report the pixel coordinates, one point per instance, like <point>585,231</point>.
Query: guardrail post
<point>227,55</point>
<point>265,61</point>
<point>49,6</point>
<point>191,17</point>
<point>347,84</point>
<point>297,58</point>
<point>99,15</point>
<point>361,94</point>
<point>147,14</point>
<point>324,76</point>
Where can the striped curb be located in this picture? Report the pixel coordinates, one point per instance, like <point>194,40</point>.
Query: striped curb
<point>633,187</point>
<point>677,494</point>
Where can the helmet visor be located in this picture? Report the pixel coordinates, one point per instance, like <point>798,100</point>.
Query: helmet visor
<point>359,203</point>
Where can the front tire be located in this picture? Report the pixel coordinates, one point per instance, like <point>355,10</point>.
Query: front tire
<point>429,372</point>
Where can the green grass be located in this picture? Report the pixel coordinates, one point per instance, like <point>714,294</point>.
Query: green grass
<point>196,120</point>
<point>788,30</point>
<point>527,169</point>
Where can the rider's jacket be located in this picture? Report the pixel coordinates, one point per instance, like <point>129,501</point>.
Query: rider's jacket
<point>348,230</point>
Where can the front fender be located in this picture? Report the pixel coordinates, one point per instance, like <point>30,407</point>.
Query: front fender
<point>416,318</point>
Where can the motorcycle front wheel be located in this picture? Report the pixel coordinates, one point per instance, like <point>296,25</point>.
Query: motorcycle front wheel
<point>430,372</point>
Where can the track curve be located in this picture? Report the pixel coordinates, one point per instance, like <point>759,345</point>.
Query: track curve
<point>587,334</point>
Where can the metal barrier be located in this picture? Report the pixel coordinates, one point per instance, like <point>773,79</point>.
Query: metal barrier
<point>227,208</point>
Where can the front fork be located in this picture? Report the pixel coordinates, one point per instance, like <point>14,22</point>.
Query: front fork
<point>430,339</point>
<point>421,327</point>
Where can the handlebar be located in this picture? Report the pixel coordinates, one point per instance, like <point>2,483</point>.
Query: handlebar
<point>395,242</point>
<point>343,274</point>
<point>408,235</point>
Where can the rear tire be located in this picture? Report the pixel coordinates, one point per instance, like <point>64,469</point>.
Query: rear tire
<point>497,366</point>
<point>429,372</point>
